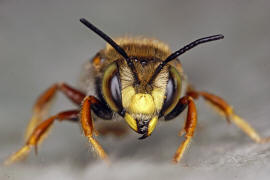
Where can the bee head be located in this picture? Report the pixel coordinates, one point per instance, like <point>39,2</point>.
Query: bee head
<point>141,102</point>
<point>139,89</point>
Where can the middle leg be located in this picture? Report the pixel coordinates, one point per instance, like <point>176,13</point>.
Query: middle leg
<point>40,133</point>
<point>43,103</point>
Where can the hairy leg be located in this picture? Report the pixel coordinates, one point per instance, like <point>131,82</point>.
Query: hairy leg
<point>227,111</point>
<point>44,101</point>
<point>189,128</point>
<point>88,124</point>
<point>40,133</point>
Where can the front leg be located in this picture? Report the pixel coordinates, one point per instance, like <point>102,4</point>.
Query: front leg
<point>189,128</point>
<point>90,102</point>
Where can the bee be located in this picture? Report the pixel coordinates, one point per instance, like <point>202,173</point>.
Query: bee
<point>138,79</point>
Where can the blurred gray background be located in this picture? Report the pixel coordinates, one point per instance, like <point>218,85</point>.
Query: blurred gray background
<point>43,42</point>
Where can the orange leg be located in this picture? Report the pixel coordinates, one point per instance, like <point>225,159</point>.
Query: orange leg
<point>88,125</point>
<point>189,127</point>
<point>226,110</point>
<point>40,133</point>
<point>43,103</point>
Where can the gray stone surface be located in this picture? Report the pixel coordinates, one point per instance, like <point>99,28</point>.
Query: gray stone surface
<point>42,42</point>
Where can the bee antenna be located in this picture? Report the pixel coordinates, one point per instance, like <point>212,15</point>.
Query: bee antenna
<point>183,50</point>
<point>114,45</point>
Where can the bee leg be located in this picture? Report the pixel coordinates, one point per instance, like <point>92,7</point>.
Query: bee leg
<point>40,133</point>
<point>87,123</point>
<point>189,127</point>
<point>227,111</point>
<point>43,103</point>
<point>179,108</point>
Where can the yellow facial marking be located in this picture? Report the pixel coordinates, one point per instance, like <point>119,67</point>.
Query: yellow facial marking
<point>142,103</point>
<point>127,94</point>
<point>131,122</point>
<point>158,96</point>
<point>152,125</point>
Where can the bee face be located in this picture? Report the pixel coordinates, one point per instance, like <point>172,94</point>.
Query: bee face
<point>143,102</point>
<point>138,81</point>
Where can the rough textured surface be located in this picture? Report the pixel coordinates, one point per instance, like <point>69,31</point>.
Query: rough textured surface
<point>42,42</point>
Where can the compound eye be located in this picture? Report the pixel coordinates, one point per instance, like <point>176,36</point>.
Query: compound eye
<point>111,87</point>
<point>173,91</point>
<point>115,89</point>
<point>170,91</point>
